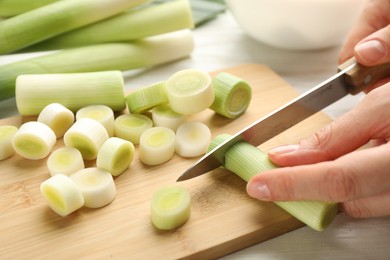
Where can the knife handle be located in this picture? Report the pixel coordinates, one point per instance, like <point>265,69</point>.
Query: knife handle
<point>360,76</point>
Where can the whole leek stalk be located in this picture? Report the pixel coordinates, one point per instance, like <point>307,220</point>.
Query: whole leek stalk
<point>10,8</point>
<point>134,24</point>
<point>148,52</point>
<point>48,21</point>
<point>246,161</point>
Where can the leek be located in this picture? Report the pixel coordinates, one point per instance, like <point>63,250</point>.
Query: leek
<point>192,139</point>
<point>170,207</point>
<point>131,126</point>
<point>45,22</point>
<point>65,160</point>
<point>57,117</point>
<point>7,133</point>
<point>101,113</point>
<point>10,8</point>
<point>131,25</point>
<point>96,185</point>
<point>245,160</point>
<point>73,90</point>
<point>143,99</point>
<point>111,56</point>
<point>163,115</point>
<point>62,194</point>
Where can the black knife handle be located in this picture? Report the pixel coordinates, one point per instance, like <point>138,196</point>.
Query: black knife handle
<point>360,76</point>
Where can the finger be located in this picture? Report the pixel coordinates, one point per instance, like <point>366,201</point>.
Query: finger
<point>374,49</point>
<point>356,175</point>
<point>375,206</point>
<point>369,120</point>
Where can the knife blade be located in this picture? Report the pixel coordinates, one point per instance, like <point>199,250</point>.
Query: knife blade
<point>351,79</point>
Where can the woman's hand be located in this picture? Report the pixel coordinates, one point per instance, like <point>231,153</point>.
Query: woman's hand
<point>327,166</point>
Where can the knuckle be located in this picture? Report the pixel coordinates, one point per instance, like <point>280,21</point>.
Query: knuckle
<point>356,209</point>
<point>339,185</point>
<point>320,138</point>
<point>284,188</point>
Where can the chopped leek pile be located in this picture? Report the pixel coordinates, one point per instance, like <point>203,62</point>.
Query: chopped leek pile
<point>245,160</point>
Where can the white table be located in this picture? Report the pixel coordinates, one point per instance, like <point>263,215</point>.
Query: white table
<point>221,43</point>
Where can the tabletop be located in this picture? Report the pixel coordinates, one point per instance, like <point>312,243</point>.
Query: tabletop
<point>221,43</point>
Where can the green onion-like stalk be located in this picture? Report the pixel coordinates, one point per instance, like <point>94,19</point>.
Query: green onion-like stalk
<point>10,8</point>
<point>246,161</point>
<point>148,52</point>
<point>134,24</point>
<point>48,21</point>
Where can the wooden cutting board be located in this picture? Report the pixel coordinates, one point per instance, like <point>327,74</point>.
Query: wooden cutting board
<point>223,218</point>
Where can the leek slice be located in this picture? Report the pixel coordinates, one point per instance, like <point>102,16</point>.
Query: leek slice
<point>7,132</point>
<point>245,160</point>
<point>56,18</point>
<point>73,90</point>
<point>136,23</point>
<point>34,140</point>
<point>147,52</point>
<point>131,126</point>
<point>170,207</point>
<point>62,194</point>
<point>164,116</point>
<point>192,139</point>
<point>232,95</point>
<point>190,91</point>
<point>101,113</point>
<point>86,135</point>
<point>157,145</point>
<point>57,117</point>
<point>65,160</point>
<point>96,185</point>
<point>143,99</point>
<point>115,155</point>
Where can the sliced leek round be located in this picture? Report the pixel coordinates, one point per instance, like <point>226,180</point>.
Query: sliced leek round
<point>62,194</point>
<point>7,133</point>
<point>115,155</point>
<point>86,135</point>
<point>232,95</point>
<point>190,91</point>
<point>143,99</point>
<point>101,113</point>
<point>170,207</point>
<point>96,185</point>
<point>34,140</point>
<point>57,117</point>
<point>65,160</point>
<point>157,145</point>
<point>192,139</point>
<point>164,116</point>
<point>131,126</point>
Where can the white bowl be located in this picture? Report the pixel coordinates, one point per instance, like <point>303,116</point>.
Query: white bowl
<point>296,24</point>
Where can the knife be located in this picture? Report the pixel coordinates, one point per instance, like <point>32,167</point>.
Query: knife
<point>351,78</point>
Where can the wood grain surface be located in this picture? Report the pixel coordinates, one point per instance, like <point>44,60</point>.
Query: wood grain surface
<point>223,218</point>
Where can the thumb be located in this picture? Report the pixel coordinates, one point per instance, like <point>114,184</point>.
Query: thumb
<point>374,49</point>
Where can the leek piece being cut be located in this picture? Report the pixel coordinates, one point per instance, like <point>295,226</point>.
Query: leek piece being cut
<point>190,91</point>
<point>134,24</point>
<point>57,117</point>
<point>34,140</point>
<point>170,207</point>
<point>164,116</point>
<point>115,155</point>
<point>7,133</point>
<point>245,160</point>
<point>143,53</point>
<point>192,139</point>
<point>86,135</point>
<point>10,8</point>
<point>65,160</point>
<point>56,18</point>
<point>131,126</point>
<point>101,113</point>
<point>62,194</point>
<point>232,95</point>
<point>143,99</point>
<point>73,90</point>
<point>157,145</point>
<point>96,185</point>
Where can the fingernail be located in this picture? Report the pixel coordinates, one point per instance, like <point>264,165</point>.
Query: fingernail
<point>371,51</point>
<point>284,149</point>
<point>258,190</point>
